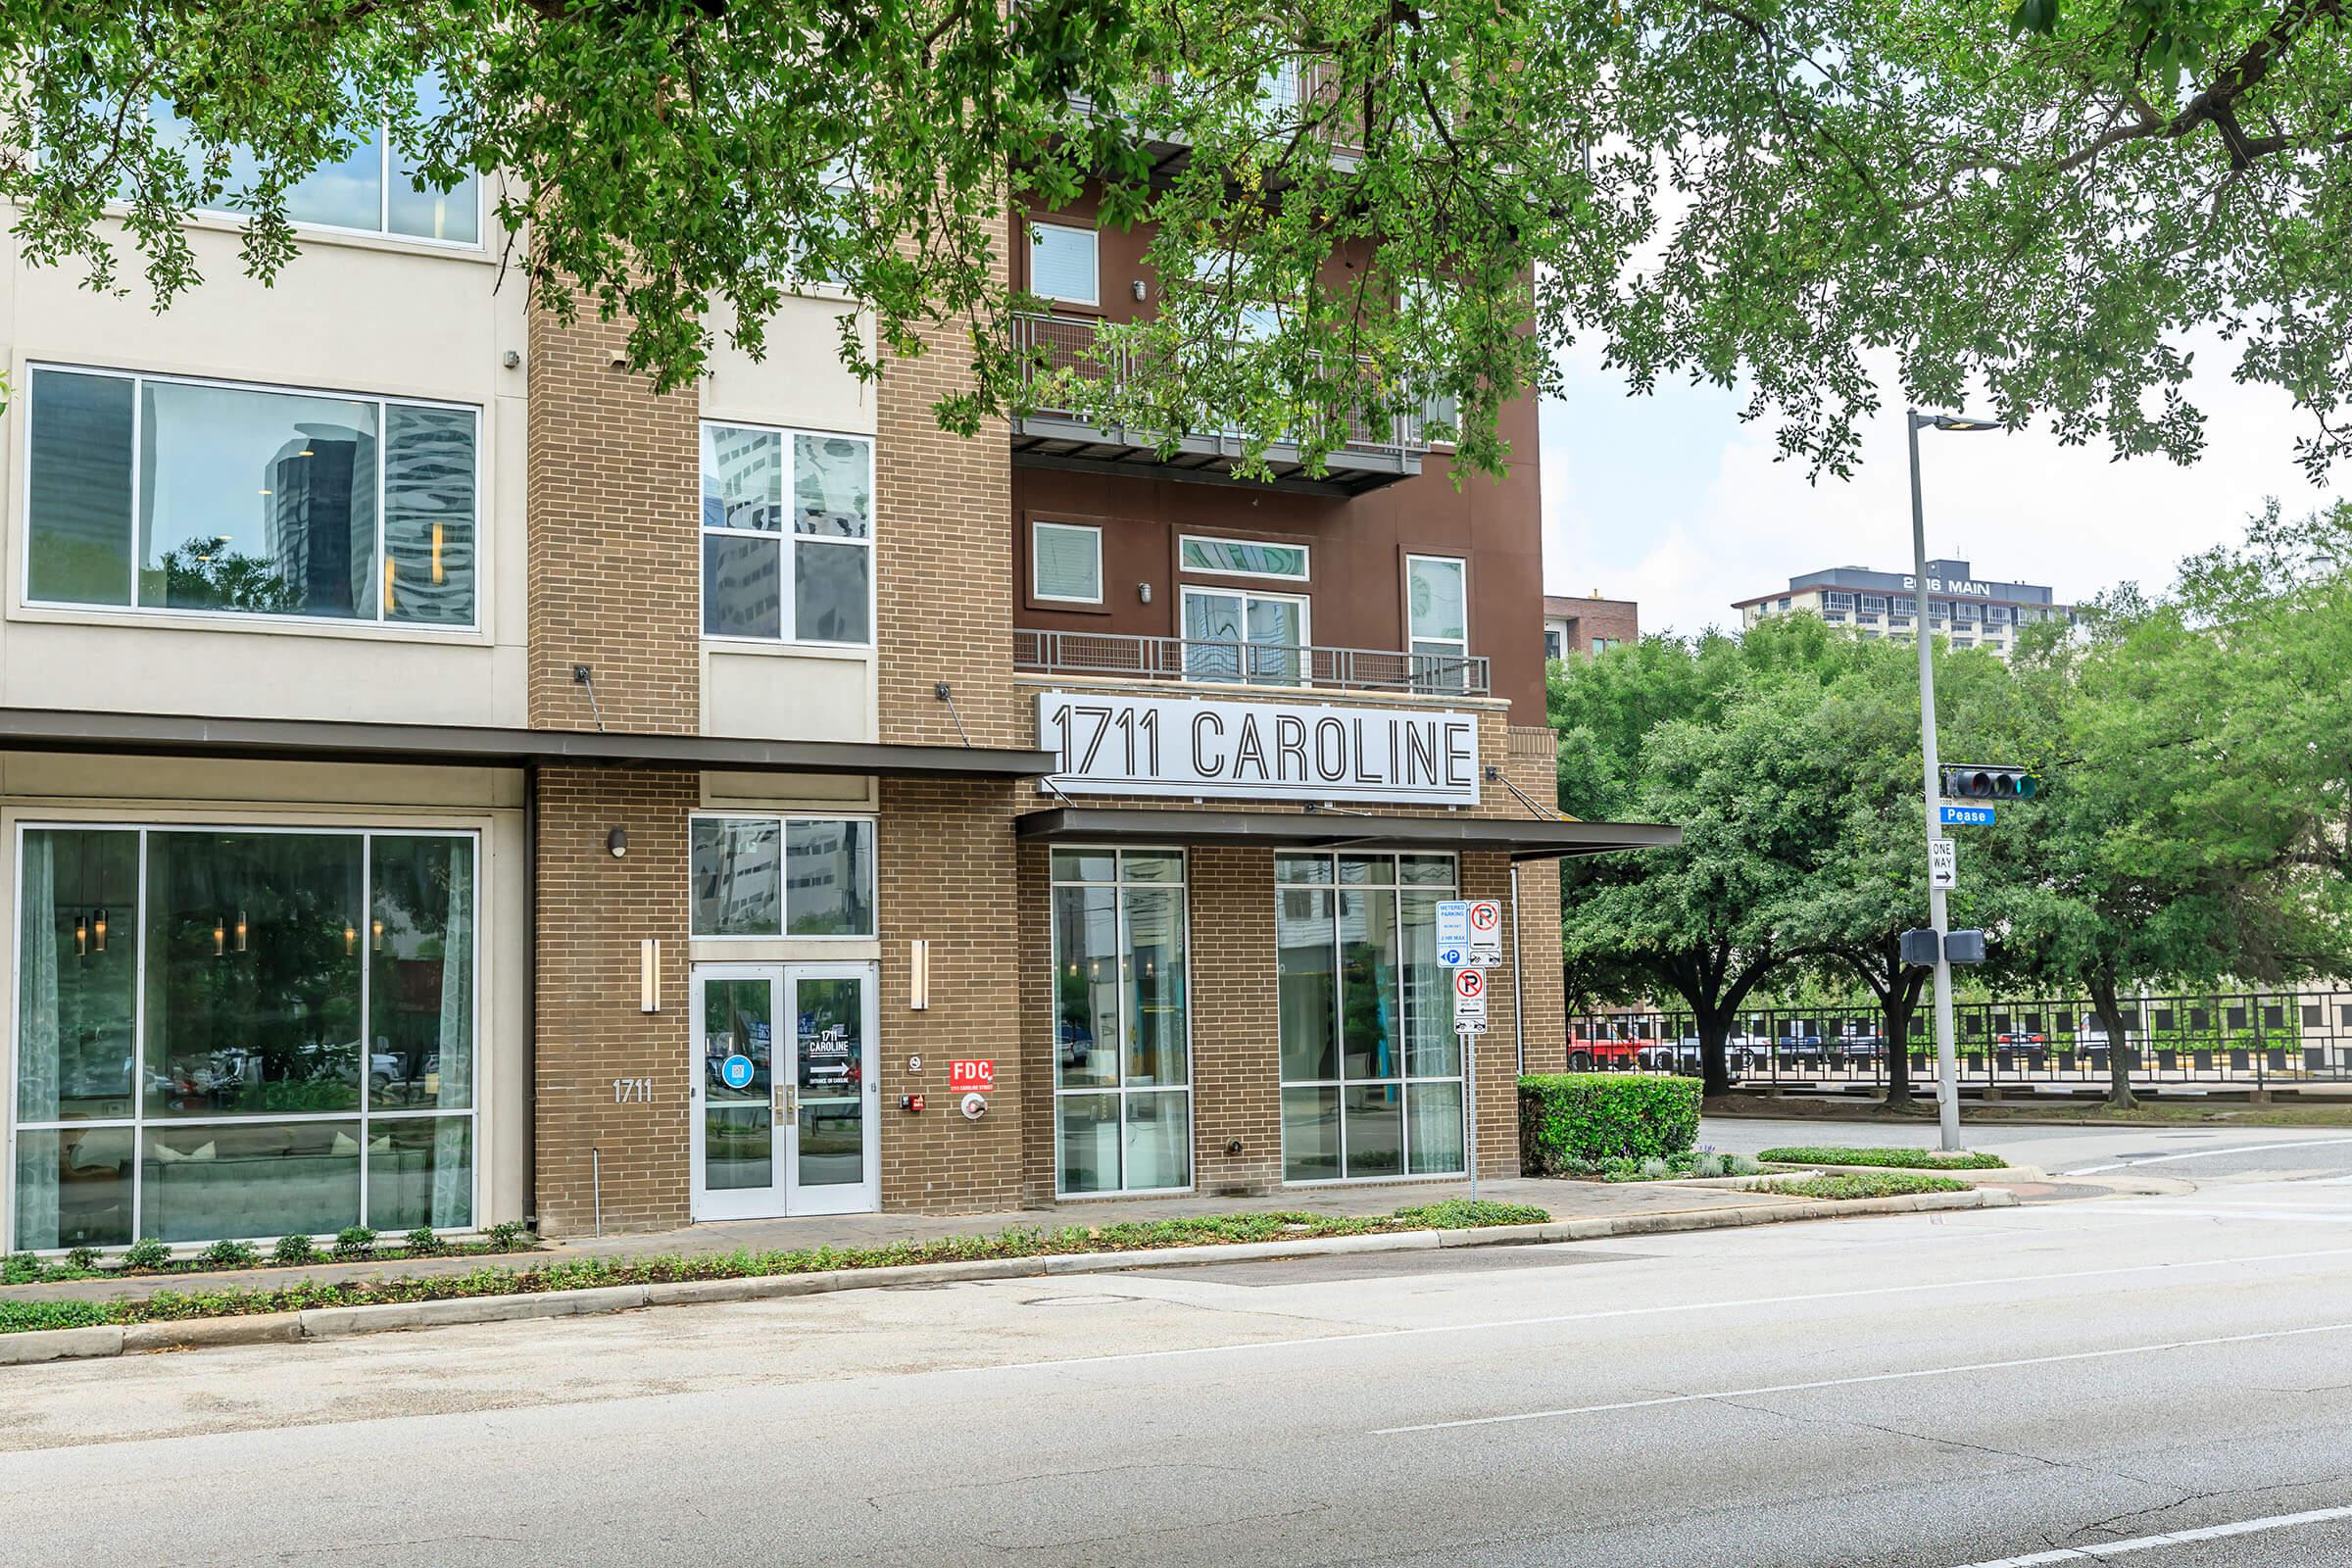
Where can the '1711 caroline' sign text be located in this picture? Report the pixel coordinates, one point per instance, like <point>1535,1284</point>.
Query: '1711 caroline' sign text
<point>1119,745</point>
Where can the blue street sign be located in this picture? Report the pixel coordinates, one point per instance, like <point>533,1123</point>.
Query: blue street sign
<point>1454,923</point>
<point>1967,815</point>
<point>736,1071</point>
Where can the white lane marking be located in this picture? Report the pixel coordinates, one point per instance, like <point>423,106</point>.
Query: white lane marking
<point>1607,1314</point>
<point>2171,1537</point>
<point>2299,1216</point>
<point>2203,1154</point>
<point>1872,1377</point>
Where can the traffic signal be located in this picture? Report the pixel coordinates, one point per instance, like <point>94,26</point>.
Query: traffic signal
<point>1995,783</point>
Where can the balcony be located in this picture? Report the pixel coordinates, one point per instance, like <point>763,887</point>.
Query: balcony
<point>1374,455</point>
<point>1240,664</point>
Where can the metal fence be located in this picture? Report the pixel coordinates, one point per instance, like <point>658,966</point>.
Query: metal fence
<point>1247,664</point>
<point>1059,351</point>
<point>2246,1039</point>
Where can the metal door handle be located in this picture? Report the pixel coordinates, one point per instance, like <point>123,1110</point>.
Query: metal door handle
<point>792,1100</point>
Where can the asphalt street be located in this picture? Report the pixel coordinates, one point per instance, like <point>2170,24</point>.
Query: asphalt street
<point>2161,1379</point>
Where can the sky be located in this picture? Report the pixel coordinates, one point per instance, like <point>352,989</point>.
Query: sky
<point>1672,501</point>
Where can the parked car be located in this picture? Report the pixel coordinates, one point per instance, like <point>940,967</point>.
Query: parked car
<point>2026,1037</point>
<point>1588,1053</point>
<point>1685,1056</point>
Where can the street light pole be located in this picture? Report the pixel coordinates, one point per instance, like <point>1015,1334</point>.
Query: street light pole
<point>1947,1074</point>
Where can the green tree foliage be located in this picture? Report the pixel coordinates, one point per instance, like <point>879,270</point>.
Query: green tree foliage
<point>2194,828</point>
<point>1754,195</point>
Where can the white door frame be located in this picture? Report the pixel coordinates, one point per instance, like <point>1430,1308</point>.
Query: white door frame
<point>737,1202</point>
<point>864,1196</point>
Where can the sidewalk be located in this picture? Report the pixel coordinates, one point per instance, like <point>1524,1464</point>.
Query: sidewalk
<point>1564,1200</point>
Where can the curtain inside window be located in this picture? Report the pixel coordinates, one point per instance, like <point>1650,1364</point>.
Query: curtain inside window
<point>37,1025</point>
<point>452,1163</point>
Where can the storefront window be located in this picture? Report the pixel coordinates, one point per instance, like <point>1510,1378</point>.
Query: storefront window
<point>304,1033</point>
<point>1122,1054</point>
<point>1371,1069</point>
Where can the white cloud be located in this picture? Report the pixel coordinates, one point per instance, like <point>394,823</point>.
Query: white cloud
<point>1672,501</point>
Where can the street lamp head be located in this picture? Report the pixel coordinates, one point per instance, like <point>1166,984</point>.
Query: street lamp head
<point>1955,422</point>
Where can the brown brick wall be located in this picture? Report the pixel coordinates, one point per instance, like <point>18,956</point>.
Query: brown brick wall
<point>593,911</point>
<point>947,873</point>
<point>942,555</point>
<point>615,555</point>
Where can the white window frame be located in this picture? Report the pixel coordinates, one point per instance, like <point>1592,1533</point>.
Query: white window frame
<point>1093,240</point>
<point>1461,645</point>
<point>1404,1080</point>
<point>363,1115</point>
<point>383,208</point>
<point>1304,573</point>
<point>784,931</point>
<point>1037,526</point>
<point>243,617</point>
<point>1307,630</point>
<point>1118,884</point>
<point>788,565</point>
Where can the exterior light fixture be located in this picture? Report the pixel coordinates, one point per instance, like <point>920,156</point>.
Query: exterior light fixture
<point>98,933</point>
<point>376,929</point>
<point>219,937</point>
<point>82,936</point>
<point>440,576</point>
<point>649,975</point>
<point>617,841</point>
<point>919,975</point>
<point>240,930</point>
<point>350,939</point>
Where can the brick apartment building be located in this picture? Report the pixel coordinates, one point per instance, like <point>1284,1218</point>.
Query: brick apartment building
<point>1587,625</point>
<point>445,782</point>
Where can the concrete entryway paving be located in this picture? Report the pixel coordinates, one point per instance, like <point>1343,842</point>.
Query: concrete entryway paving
<point>1563,1200</point>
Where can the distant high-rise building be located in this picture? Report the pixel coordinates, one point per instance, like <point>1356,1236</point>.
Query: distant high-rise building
<point>1972,611</point>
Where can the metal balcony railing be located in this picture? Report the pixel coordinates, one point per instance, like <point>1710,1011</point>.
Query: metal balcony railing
<point>1242,663</point>
<point>1057,348</point>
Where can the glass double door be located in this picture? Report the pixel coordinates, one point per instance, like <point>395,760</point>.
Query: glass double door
<point>785,1090</point>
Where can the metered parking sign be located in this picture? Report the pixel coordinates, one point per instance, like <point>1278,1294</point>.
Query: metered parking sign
<point>1454,923</point>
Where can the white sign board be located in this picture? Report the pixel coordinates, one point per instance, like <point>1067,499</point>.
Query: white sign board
<point>1943,864</point>
<point>1468,957</point>
<point>1454,923</point>
<point>1113,744</point>
<point>1486,925</point>
<point>1469,995</point>
<point>1470,1026</point>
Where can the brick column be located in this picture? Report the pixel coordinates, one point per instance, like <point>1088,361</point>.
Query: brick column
<point>593,911</point>
<point>947,873</point>
<point>1489,877</point>
<point>1237,1022</point>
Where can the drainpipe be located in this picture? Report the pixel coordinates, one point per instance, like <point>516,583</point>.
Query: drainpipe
<point>1518,976</point>
<point>530,996</point>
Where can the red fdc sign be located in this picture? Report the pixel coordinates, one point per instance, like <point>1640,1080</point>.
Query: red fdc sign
<point>971,1076</point>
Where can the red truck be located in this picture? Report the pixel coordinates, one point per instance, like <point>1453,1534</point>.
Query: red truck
<point>1606,1048</point>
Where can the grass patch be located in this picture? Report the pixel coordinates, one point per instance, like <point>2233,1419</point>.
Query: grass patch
<point>1902,1158</point>
<point>1848,1184</point>
<point>589,1273</point>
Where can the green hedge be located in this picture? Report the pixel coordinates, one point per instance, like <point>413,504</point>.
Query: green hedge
<point>1904,1158</point>
<point>1578,1119</point>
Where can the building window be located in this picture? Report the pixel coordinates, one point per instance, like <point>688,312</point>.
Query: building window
<point>1062,263</point>
<point>1241,557</point>
<point>1371,1067</point>
<point>1065,563</point>
<point>1996,614</point>
<point>1964,613</point>
<point>769,877</point>
<point>153,493</point>
<point>1836,601</point>
<point>372,190</point>
<point>1551,641</point>
<point>1601,645</point>
<point>1122,1040</point>
<point>1784,604</point>
<point>809,581</point>
<point>1874,604</point>
<point>243,1033</point>
<point>1438,622</point>
<point>1234,635</point>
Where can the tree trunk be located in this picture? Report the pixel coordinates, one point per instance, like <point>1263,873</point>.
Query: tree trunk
<point>2119,1050</point>
<point>1898,1055</point>
<point>1714,1052</point>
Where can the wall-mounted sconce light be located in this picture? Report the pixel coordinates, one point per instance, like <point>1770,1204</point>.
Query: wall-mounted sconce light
<point>219,937</point>
<point>649,975</point>
<point>350,939</point>
<point>919,975</point>
<point>376,930</point>
<point>82,936</point>
<point>1143,593</point>
<point>240,930</point>
<point>98,933</point>
<point>617,841</point>
<point>1138,286</point>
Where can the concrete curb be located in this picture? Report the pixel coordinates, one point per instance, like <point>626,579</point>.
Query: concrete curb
<point>330,1322</point>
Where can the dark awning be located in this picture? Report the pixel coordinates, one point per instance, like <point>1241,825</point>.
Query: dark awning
<point>38,729</point>
<point>1522,838</point>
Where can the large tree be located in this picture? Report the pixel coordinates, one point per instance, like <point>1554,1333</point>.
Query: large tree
<point>2193,829</point>
<point>1754,194</point>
